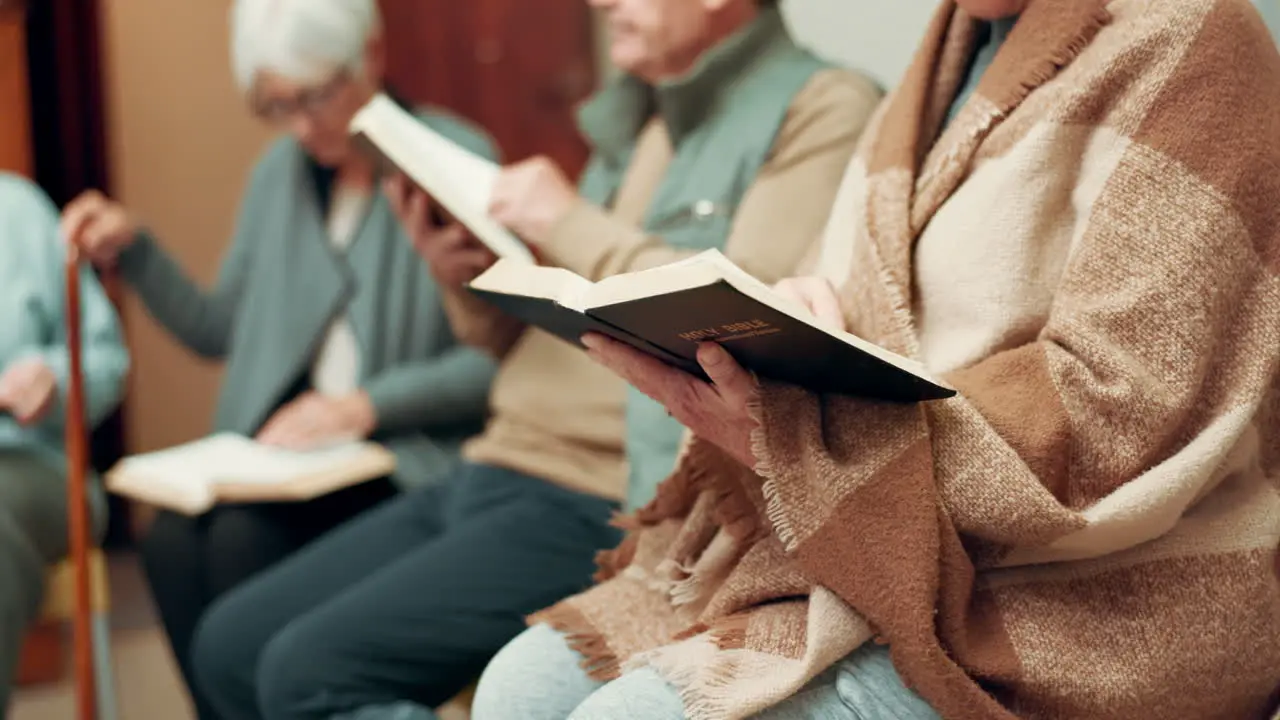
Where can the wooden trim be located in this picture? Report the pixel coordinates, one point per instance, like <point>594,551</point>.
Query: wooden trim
<point>15,121</point>
<point>44,655</point>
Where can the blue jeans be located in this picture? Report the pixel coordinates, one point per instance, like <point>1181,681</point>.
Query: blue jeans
<point>537,677</point>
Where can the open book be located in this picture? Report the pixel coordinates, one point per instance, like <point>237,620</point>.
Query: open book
<point>456,178</point>
<point>668,310</point>
<point>231,468</point>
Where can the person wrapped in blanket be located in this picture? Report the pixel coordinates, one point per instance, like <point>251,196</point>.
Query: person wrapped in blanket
<point>1070,209</point>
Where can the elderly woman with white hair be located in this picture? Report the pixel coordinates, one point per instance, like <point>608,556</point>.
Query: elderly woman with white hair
<point>330,325</point>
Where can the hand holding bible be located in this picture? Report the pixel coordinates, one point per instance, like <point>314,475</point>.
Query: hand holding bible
<point>816,295</point>
<point>531,197</point>
<point>718,411</point>
<point>314,420</point>
<point>452,254</point>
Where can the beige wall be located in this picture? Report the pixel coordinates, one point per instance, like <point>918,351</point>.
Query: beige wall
<point>181,144</point>
<point>877,38</point>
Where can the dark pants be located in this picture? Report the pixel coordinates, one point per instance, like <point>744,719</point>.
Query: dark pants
<point>192,561</point>
<point>408,602</point>
<point>33,536</point>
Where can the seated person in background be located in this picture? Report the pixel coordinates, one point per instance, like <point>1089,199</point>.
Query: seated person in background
<point>330,325</point>
<point>725,134</point>
<point>33,378</point>
<point>1071,209</point>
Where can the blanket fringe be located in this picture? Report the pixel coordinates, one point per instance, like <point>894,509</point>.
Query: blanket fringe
<point>599,660</point>
<point>692,631</point>
<point>626,522</point>
<point>732,508</point>
<point>730,633</point>
<point>675,498</point>
<point>680,584</point>
<point>775,510</point>
<point>1047,67</point>
<point>611,562</point>
<point>676,495</point>
<point>707,689</point>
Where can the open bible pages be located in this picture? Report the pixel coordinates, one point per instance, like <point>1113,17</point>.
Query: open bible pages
<point>458,179</point>
<point>227,467</point>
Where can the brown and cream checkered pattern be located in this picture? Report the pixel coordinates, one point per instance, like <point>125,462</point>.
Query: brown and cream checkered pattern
<point>1090,253</point>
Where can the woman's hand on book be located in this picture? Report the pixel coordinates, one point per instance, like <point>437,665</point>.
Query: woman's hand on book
<point>27,390</point>
<point>313,420</point>
<point>718,411</point>
<point>817,296</point>
<point>97,226</point>
<point>452,255</point>
<point>531,197</point>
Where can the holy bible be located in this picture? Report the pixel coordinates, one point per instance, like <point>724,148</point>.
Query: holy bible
<point>456,178</point>
<point>669,310</point>
<point>231,468</point>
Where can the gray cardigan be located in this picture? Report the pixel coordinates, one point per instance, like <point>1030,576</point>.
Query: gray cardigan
<point>281,284</point>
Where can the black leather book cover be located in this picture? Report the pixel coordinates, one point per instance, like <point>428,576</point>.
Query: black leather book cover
<point>571,325</point>
<point>767,341</point>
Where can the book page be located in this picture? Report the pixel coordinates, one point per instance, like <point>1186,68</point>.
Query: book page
<point>227,457</point>
<point>548,283</point>
<point>458,179</point>
<point>691,272</point>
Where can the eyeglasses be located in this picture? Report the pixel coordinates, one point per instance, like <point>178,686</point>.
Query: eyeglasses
<point>311,101</point>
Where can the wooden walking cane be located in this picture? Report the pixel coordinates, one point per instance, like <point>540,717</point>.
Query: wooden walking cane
<point>77,449</point>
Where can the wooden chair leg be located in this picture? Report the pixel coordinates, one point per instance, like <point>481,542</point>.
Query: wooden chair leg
<point>44,655</point>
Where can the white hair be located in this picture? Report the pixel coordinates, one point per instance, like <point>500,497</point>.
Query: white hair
<point>302,40</point>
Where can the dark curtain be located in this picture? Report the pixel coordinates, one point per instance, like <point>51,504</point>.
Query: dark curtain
<point>68,116</point>
<point>67,108</point>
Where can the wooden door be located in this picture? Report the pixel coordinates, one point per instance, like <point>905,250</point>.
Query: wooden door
<point>15,115</point>
<point>516,67</point>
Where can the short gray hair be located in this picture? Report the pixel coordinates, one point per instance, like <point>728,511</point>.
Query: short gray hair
<point>300,39</point>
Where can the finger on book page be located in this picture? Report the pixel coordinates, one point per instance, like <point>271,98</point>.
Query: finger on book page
<point>825,304</point>
<point>816,296</point>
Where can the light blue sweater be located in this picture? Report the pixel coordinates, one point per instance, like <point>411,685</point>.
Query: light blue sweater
<point>31,316</point>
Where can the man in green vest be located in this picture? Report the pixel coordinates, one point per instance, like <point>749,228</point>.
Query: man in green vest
<point>720,133</point>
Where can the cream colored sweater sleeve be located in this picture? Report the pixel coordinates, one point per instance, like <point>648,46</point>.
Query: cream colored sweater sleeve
<point>787,204</point>
<point>778,223</point>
